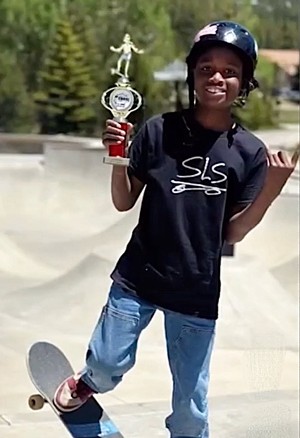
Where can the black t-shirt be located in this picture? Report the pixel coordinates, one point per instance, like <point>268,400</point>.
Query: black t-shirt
<point>194,177</point>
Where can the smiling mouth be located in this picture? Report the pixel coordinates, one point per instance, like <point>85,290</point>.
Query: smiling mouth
<point>215,90</point>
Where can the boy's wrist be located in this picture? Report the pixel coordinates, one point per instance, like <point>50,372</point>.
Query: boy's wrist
<point>269,193</point>
<point>119,170</point>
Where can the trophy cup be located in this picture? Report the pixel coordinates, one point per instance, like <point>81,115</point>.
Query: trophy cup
<point>121,100</point>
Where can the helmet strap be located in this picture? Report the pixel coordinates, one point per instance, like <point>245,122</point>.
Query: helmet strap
<point>191,88</point>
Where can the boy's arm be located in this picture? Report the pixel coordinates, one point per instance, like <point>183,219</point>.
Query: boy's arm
<point>124,190</point>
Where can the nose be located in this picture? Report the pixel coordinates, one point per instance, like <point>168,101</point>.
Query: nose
<point>216,78</point>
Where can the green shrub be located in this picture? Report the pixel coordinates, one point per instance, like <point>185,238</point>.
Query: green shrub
<point>261,109</point>
<point>259,112</point>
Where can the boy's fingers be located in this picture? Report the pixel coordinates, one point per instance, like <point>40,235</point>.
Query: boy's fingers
<point>271,158</point>
<point>112,123</point>
<point>113,130</point>
<point>295,156</point>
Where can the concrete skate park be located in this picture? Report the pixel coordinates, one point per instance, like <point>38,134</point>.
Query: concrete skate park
<point>60,237</point>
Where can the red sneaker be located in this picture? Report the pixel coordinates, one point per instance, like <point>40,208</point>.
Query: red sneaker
<point>71,394</point>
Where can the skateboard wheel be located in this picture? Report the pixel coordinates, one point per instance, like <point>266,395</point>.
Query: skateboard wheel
<point>36,402</point>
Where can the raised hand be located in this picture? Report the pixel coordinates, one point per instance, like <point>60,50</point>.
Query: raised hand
<point>281,166</point>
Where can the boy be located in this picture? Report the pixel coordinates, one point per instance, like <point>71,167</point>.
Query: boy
<point>207,180</point>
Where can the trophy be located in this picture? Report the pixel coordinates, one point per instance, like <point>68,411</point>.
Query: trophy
<point>122,99</point>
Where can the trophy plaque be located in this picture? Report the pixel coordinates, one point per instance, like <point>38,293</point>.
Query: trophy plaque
<point>121,100</point>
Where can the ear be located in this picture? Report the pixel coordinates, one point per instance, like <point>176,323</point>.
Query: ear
<point>253,84</point>
<point>247,87</point>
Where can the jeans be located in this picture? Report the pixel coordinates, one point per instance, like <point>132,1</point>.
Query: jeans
<point>112,352</point>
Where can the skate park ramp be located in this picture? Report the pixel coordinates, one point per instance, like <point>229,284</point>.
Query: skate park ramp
<point>60,237</point>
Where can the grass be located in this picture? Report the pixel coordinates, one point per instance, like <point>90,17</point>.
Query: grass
<point>289,116</point>
<point>289,112</point>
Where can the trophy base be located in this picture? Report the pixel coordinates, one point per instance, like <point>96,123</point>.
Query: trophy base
<point>116,161</point>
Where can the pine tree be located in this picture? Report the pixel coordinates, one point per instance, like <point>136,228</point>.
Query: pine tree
<point>67,94</point>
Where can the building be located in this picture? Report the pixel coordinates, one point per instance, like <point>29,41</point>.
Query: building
<point>287,62</point>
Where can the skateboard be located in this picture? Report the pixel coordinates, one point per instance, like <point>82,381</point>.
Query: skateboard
<point>47,367</point>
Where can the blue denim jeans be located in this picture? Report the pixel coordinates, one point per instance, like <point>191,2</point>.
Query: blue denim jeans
<point>112,352</point>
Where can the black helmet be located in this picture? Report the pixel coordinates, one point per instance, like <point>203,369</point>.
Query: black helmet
<point>238,38</point>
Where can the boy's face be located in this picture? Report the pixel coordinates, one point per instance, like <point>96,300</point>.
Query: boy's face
<point>218,78</point>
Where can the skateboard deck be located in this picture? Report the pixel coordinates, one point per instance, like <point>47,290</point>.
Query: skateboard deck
<point>48,367</point>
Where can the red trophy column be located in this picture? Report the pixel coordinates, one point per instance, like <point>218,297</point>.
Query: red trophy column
<point>118,149</point>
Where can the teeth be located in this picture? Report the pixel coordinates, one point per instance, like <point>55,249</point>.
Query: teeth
<point>214,90</point>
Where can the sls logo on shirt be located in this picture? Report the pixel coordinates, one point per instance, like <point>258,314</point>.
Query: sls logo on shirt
<point>200,169</point>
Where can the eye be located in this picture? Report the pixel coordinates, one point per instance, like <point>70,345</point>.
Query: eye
<point>204,68</point>
<point>230,72</point>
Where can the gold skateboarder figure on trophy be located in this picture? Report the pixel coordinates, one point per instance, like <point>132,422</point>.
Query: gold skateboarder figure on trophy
<point>126,48</point>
